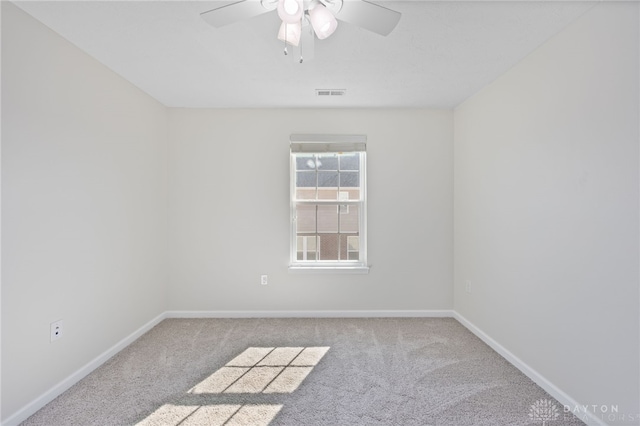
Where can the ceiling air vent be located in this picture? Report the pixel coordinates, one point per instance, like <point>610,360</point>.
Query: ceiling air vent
<point>331,92</point>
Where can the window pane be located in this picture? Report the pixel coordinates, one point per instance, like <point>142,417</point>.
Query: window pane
<point>306,179</point>
<point>350,221</point>
<point>327,219</point>
<point>329,247</point>
<point>328,162</point>
<point>299,248</point>
<point>311,243</point>
<point>350,162</point>
<point>306,219</point>
<point>327,193</point>
<point>328,179</point>
<point>306,193</point>
<point>354,193</point>
<point>306,247</point>
<point>349,179</point>
<point>353,243</point>
<point>305,162</point>
<point>347,249</point>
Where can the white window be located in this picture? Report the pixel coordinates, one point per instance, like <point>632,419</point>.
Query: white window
<point>328,202</point>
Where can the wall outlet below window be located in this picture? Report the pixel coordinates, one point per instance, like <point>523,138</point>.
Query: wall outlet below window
<point>57,329</point>
<point>467,286</point>
<point>263,280</point>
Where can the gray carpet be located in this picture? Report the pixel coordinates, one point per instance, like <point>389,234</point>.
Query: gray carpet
<point>392,371</point>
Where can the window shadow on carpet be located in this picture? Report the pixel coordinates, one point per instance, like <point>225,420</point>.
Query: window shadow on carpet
<point>224,398</point>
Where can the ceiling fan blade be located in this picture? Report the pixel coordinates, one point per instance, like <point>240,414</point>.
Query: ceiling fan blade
<point>369,16</point>
<point>234,12</point>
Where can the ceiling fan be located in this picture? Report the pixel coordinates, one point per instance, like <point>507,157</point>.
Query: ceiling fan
<point>305,20</point>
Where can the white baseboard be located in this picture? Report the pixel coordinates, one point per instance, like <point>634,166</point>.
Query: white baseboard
<point>312,314</point>
<point>29,409</point>
<point>589,418</point>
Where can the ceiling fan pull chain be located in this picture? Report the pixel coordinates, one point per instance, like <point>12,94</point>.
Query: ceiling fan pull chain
<point>301,43</point>
<point>285,40</point>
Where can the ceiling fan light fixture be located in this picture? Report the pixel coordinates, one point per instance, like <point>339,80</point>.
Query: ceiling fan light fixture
<point>304,21</point>
<point>290,33</point>
<point>323,22</point>
<point>290,11</point>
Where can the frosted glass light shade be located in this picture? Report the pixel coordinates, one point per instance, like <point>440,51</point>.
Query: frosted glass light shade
<point>290,11</point>
<point>292,33</point>
<point>323,22</point>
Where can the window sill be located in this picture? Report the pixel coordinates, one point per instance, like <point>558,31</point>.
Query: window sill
<point>304,269</point>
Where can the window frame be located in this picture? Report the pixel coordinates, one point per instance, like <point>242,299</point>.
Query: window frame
<point>327,144</point>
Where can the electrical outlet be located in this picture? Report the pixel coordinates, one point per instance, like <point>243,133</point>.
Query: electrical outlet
<point>57,329</point>
<point>468,286</point>
<point>263,280</point>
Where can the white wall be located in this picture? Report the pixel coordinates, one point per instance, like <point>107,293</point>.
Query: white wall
<point>546,210</point>
<point>229,211</point>
<point>84,208</point>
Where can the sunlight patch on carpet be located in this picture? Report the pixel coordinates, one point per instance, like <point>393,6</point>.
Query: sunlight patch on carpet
<point>254,371</point>
<point>220,380</point>
<point>289,380</point>
<point>254,380</point>
<point>250,357</point>
<point>263,370</point>
<point>212,415</point>
<point>169,414</point>
<point>258,415</point>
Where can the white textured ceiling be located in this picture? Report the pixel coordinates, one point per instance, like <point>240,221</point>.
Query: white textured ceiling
<point>439,54</point>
